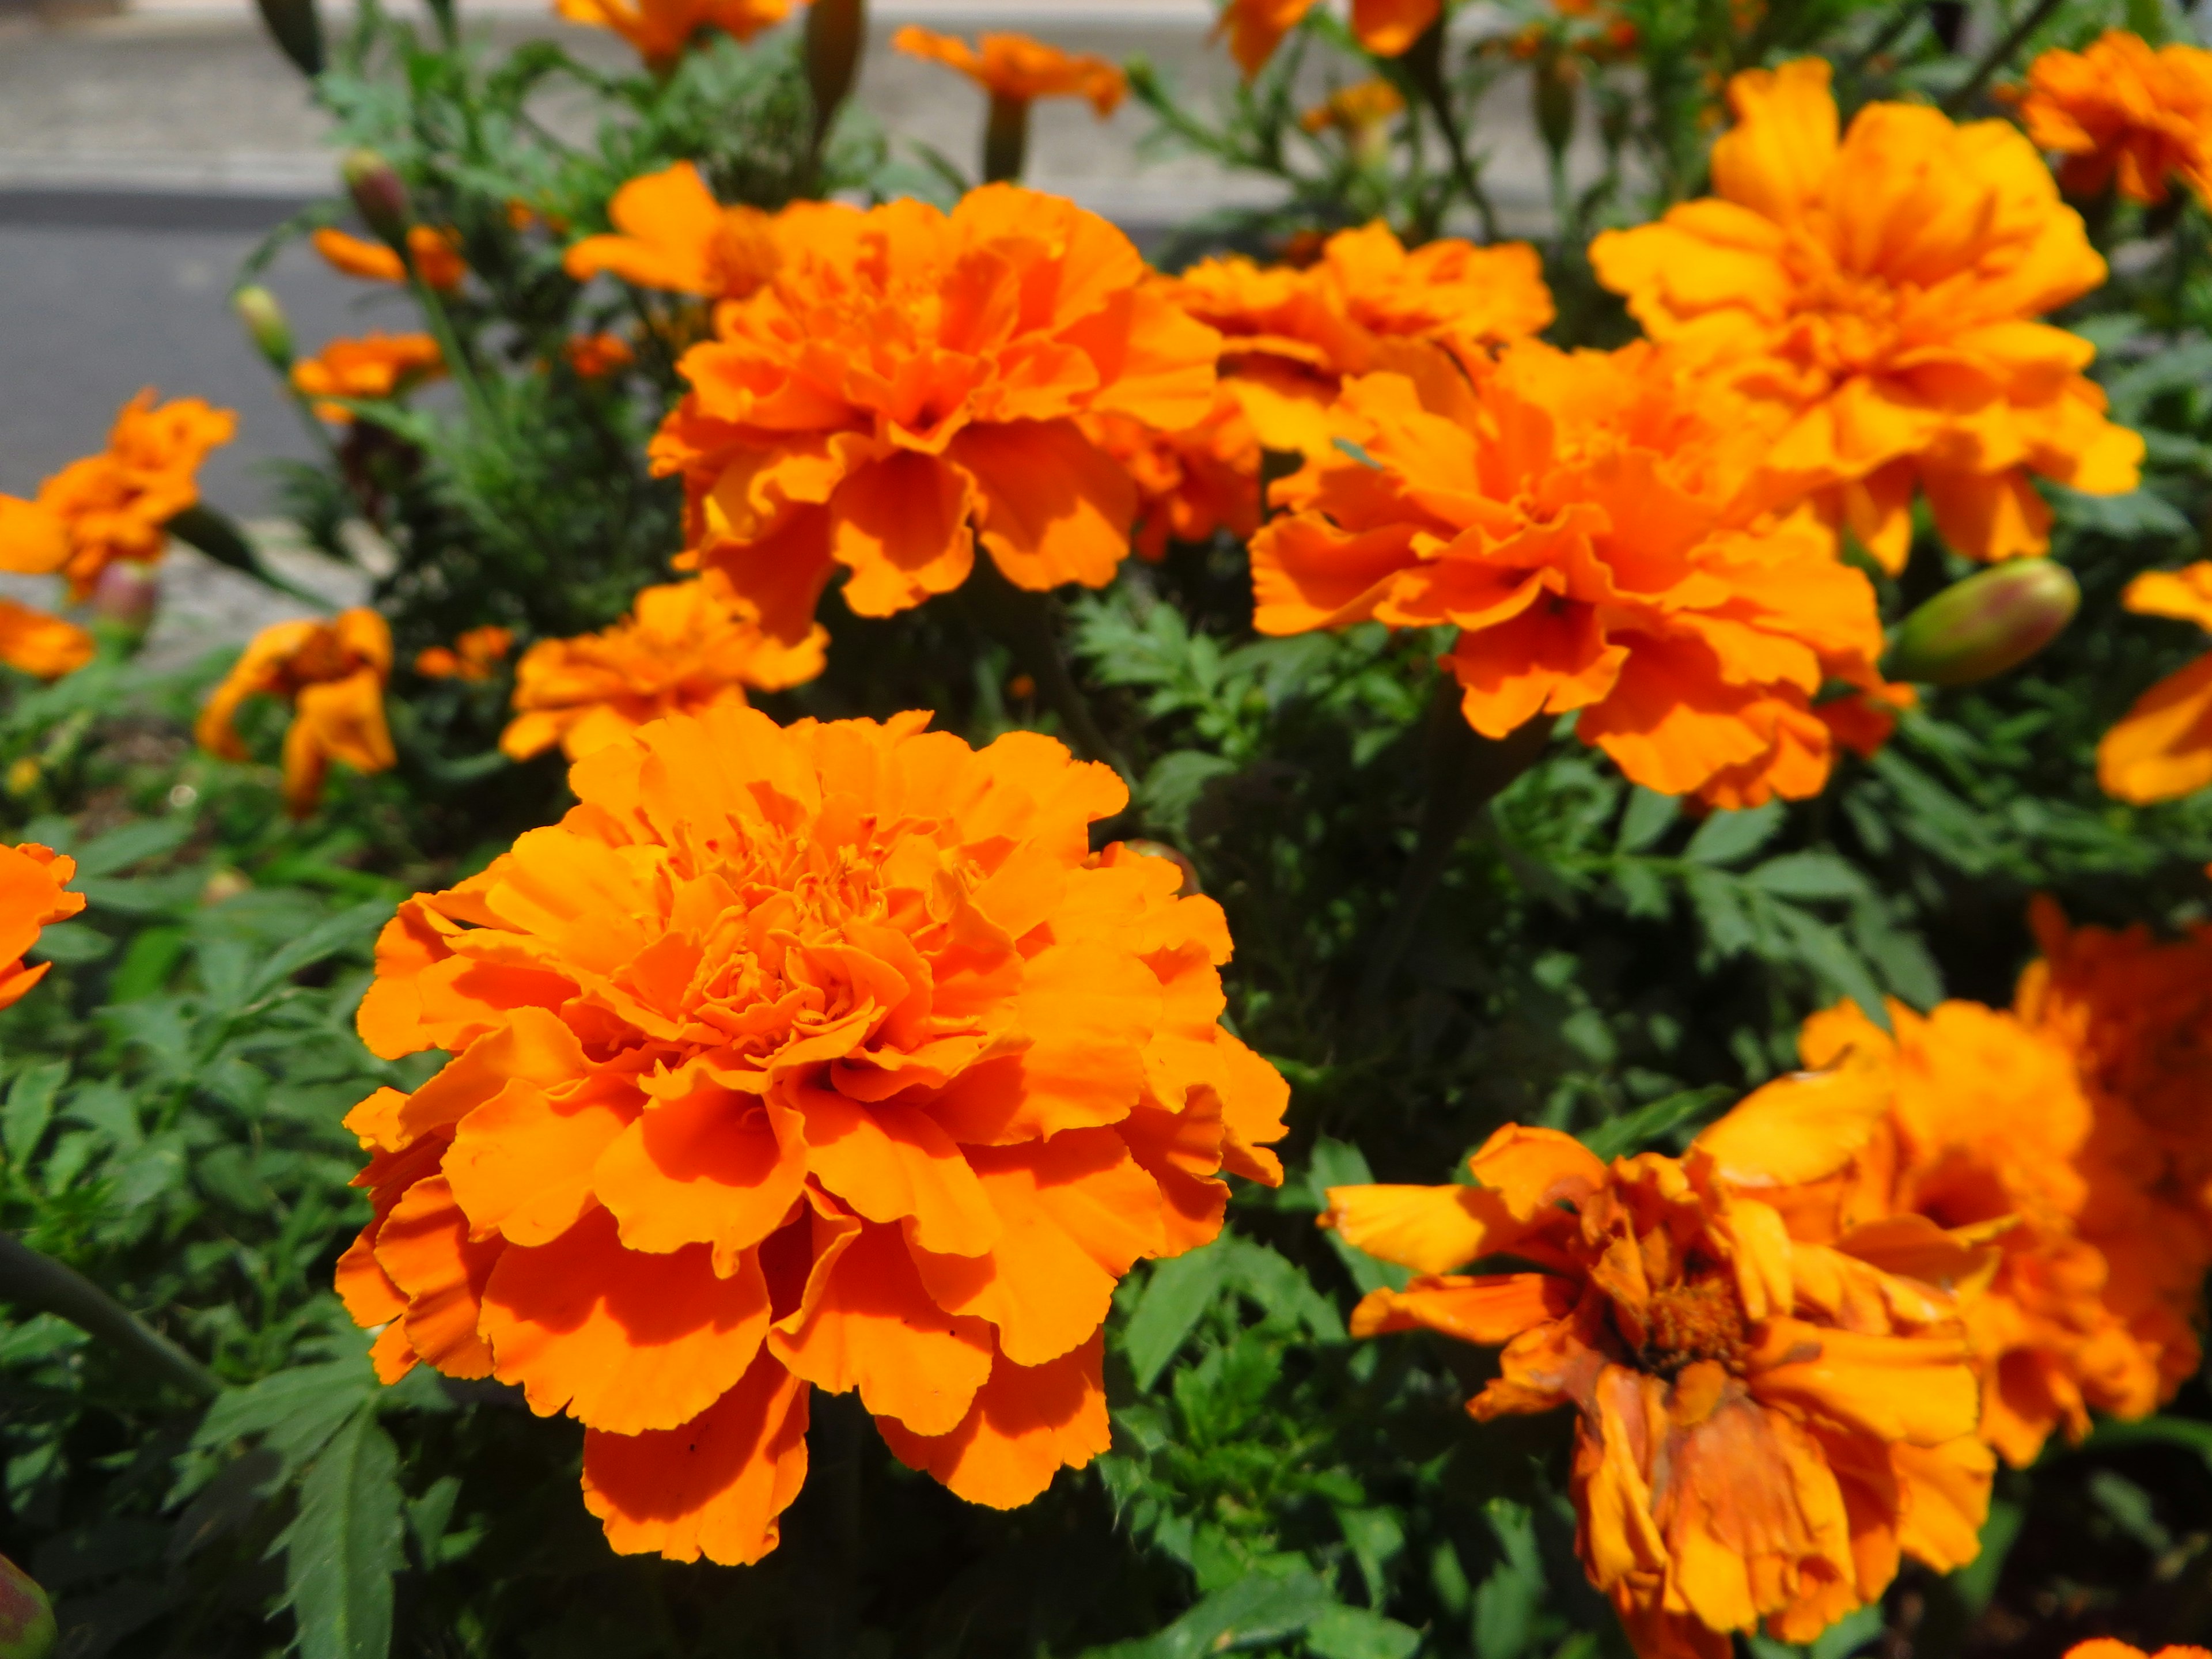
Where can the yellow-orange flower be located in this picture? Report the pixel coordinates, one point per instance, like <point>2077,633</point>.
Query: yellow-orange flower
<point>1192,483</point>
<point>595,356</point>
<point>474,656</point>
<point>1883,290</point>
<point>659,30</point>
<point>826,1056</point>
<point>670,232</point>
<point>2090,1301</point>
<point>1290,338</point>
<point>2162,747</point>
<point>684,647</point>
<point>1019,70</point>
<point>116,504</point>
<point>1385,27</point>
<point>2104,1647</point>
<point>377,365</point>
<point>1764,1424</point>
<point>436,254</point>
<point>910,383</point>
<point>333,673</point>
<point>2124,112</point>
<point>32,896</point>
<point>47,647</point>
<point>1582,518</point>
<point>1356,111</point>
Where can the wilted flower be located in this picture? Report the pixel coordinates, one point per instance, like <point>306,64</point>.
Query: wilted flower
<point>46,647</point>
<point>116,504</point>
<point>661,29</point>
<point>827,1056</point>
<point>1385,27</point>
<point>333,674</point>
<point>33,895</point>
<point>671,233</point>
<point>377,365</point>
<point>910,382</point>
<point>1582,518</point>
<point>684,647</point>
<point>2162,747</point>
<point>1017,69</point>
<point>436,254</point>
<point>2124,112</point>
<point>474,656</point>
<point>1766,1423</point>
<point>1883,291</point>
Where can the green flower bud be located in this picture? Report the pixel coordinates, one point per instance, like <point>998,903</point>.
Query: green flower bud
<point>1992,622</point>
<point>26,1618</point>
<point>266,325</point>
<point>836,32</point>
<point>378,195</point>
<point>297,30</point>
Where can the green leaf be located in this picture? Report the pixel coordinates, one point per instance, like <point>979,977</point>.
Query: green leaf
<point>1730,837</point>
<point>132,843</point>
<point>343,1547</point>
<point>1250,1613</point>
<point>1632,1132</point>
<point>1356,1633</point>
<point>1811,876</point>
<point>1282,1291</point>
<point>1976,1582</point>
<point>295,1411</point>
<point>1846,1637</point>
<point>1508,1603</point>
<point>2139,515</point>
<point>1648,818</point>
<point>30,1108</point>
<point>1175,1298</point>
<point>351,927</point>
<point>71,943</point>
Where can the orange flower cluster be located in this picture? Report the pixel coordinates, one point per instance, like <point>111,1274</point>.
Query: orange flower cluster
<point>1585,521</point>
<point>1881,289</point>
<point>1385,27</point>
<point>33,642</point>
<point>116,504</point>
<point>1290,337</point>
<point>2162,747</point>
<point>33,880</point>
<point>474,656</point>
<point>2122,113</point>
<point>825,1056</point>
<point>670,233</point>
<point>909,383</point>
<point>436,254</point>
<point>1766,1422</point>
<point>333,675</point>
<point>377,365</point>
<point>660,30</point>
<point>1020,70</point>
<point>684,647</point>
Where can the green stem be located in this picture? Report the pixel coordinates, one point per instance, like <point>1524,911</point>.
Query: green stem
<point>1424,67</point>
<point>449,343</point>
<point>28,1279</point>
<point>1006,139</point>
<point>1025,624</point>
<point>1998,56</point>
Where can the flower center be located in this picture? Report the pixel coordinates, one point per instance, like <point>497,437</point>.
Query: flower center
<point>1697,1319</point>
<point>1841,322</point>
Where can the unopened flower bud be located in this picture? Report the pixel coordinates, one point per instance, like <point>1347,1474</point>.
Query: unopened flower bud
<point>1557,81</point>
<point>835,30</point>
<point>26,1618</point>
<point>378,194</point>
<point>124,598</point>
<point>266,325</point>
<point>1992,622</point>
<point>297,30</point>
<point>1160,849</point>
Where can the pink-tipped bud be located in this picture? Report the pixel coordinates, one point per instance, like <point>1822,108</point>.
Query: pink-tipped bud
<point>26,1618</point>
<point>126,596</point>
<point>1992,622</point>
<point>1160,849</point>
<point>266,325</point>
<point>378,195</point>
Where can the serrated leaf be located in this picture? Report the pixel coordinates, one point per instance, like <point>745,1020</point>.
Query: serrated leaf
<point>1508,1602</point>
<point>1355,1634</point>
<point>1810,876</point>
<point>132,843</point>
<point>71,943</point>
<point>30,1108</point>
<point>346,1544</point>
<point>348,928</point>
<point>1175,1298</point>
<point>1731,837</point>
<point>2139,515</point>
<point>1282,1290</point>
<point>294,1412</point>
<point>1631,1131</point>
<point>1648,817</point>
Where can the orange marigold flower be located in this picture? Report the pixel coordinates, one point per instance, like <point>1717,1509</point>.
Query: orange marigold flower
<point>436,254</point>
<point>1883,290</point>
<point>1290,337</point>
<point>910,383</point>
<point>2124,111</point>
<point>2090,1299</point>
<point>1189,483</point>
<point>2162,747</point>
<point>377,365</point>
<point>660,30</point>
<point>671,233</point>
<point>595,356</point>
<point>684,647</point>
<point>46,647</point>
<point>1021,70</point>
<point>1583,518</point>
<point>474,656</point>
<point>1385,27</point>
<point>2104,1647</point>
<point>825,1056</point>
<point>1357,110</point>
<point>333,673</point>
<point>32,880</point>
<point>116,504</point>
<point>1764,1424</point>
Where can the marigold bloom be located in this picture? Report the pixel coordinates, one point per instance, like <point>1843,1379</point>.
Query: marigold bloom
<point>670,232</point>
<point>46,647</point>
<point>2104,1647</point>
<point>684,647</point>
<point>333,674</point>
<point>1992,1135</point>
<point>2124,111</point>
<point>1290,338</point>
<point>1257,27</point>
<point>1019,70</point>
<point>116,504</point>
<point>1583,520</point>
<point>377,365</point>
<point>32,896</point>
<point>659,30</point>
<point>1883,290</point>
<point>2162,747</point>
<point>1357,110</point>
<point>1765,1425</point>
<point>436,253</point>
<point>909,383</point>
<point>825,1056</point>
<point>1189,483</point>
<point>474,656</point>
<point>595,356</point>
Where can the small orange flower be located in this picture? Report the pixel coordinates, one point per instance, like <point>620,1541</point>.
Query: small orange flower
<point>670,232</point>
<point>911,382</point>
<point>684,647</point>
<point>595,356</point>
<point>1356,111</point>
<point>660,30</point>
<point>1290,337</point>
<point>2162,747</point>
<point>1583,520</point>
<point>116,504</point>
<point>1021,70</point>
<point>1385,27</point>
<point>33,880</point>
<point>826,1056</point>
<point>1764,1424</point>
<point>474,656</point>
<point>2104,1647</point>
<point>377,365</point>
<point>436,253</point>
<point>2124,112</point>
<point>333,675</point>
<point>1883,290</point>
<point>43,646</point>
<point>1190,484</point>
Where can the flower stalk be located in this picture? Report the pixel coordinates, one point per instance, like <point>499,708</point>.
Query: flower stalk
<point>31,1281</point>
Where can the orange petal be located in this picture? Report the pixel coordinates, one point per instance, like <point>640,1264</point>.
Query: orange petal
<point>521,1162</point>
<point>891,1162</point>
<point>901,526</point>
<point>1027,1424</point>
<point>1488,1310</point>
<point>1056,508</point>
<point>424,1246</point>
<point>714,1168</point>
